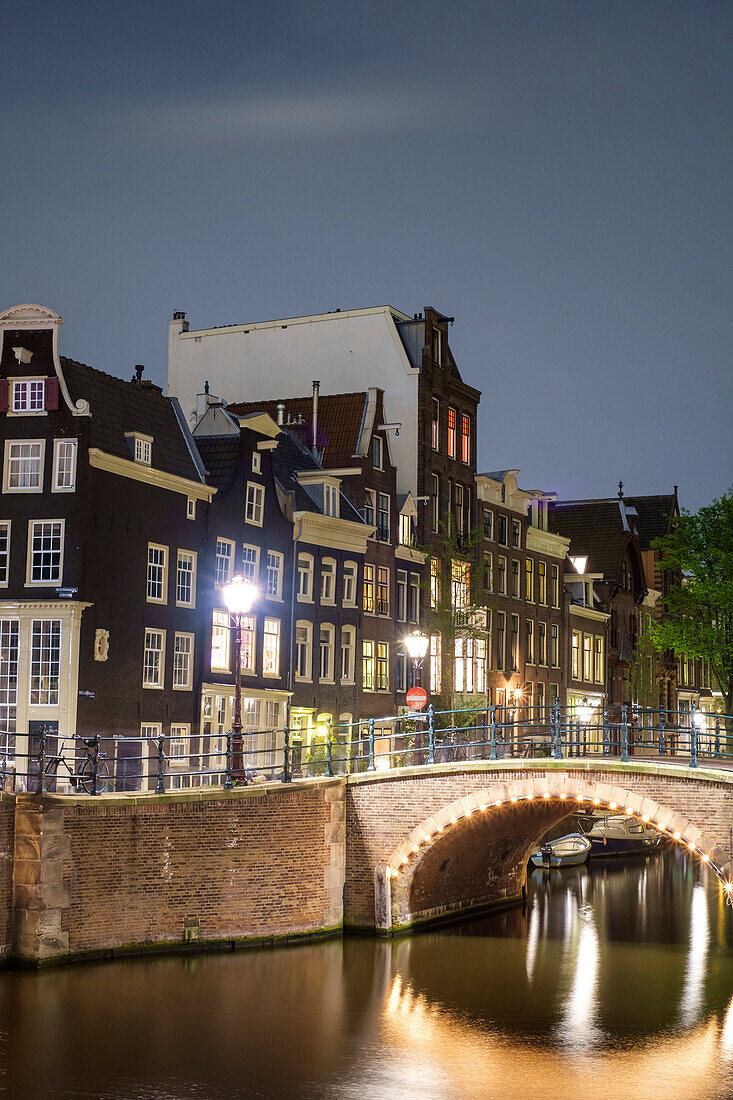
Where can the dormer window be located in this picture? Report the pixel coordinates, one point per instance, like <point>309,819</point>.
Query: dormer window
<point>28,395</point>
<point>141,447</point>
<point>330,499</point>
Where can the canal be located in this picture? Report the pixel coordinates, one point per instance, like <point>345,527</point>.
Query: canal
<point>616,980</point>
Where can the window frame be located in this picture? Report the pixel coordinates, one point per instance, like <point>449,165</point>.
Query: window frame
<point>226,627</point>
<point>254,501</point>
<point>329,649</point>
<point>329,568</point>
<point>278,571</point>
<point>251,572</point>
<point>180,552</point>
<point>9,444</point>
<point>28,382</point>
<point>452,432</point>
<point>191,638</point>
<point>348,574</point>
<point>6,526</point>
<point>231,559</point>
<point>348,644</point>
<point>307,595</point>
<point>50,583</point>
<point>164,582</point>
<point>277,652</point>
<point>147,684</point>
<point>301,677</point>
<point>57,445</point>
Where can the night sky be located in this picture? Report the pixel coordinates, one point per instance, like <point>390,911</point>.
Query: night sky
<point>555,175</point>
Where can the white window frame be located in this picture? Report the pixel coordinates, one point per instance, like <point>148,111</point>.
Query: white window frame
<point>142,447</point>
<point>254,504</point>
<point>190,507</point>
<point>329,649</point>
<point>231,559</point>
<point>160,683</point>
<point>252,571</point>
<point>224,625</point>
<point>9,444</point>
<point>6,528</point>
<point>331,499</point>
<point>256,462</point>
<point>328,570</point>
<point>27,382</point>
<point>351,581</point>
<point>50,695</point>
<point>164,583</point>
<point>249,626</point>
<point>180,732</point>
<point>307,626</point>
<point>57,445</point>
<point>348,645</point>
<point>275,568</point>
<point>191,638</point>
<point>51,583</point>
<point>271,634</point>
<point>307,595</point>
<point>193,571</point>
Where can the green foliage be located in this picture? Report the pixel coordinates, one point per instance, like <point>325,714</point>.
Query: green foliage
<point>698,618</point>
<point>644,674</point>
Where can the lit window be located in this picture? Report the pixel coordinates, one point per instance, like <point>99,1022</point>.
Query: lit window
<point>255,504</point>
<point>45,551</point>
<point>328,580</point>
<point>271,647</point>
<point>186,579</point>
<point>382,683</point>
<point>435,659</point>
<point>326,652</point>
<point>45,662</point>
<point>368,665</point>
<point>4,562</point>
<point>434,583</point>
<point>529,657</point>
<point>224,560</point>
<point>348,646</point>
<point>465,439</point>
<point>528,580</point>
<point>178,747</point>
<point>183,661</point>
<point>250,563</point>
<point>305,577</point>
<point>460,583</point>
<point>64,465</point>
<point>154,658</point>
<point>350,575</point>
<point>249,639</point>
<point>407,535</point>
<point>451,432</point>
<point>598,659</point>
<point>220,639</point>
<point>368,595</point>
<point>576,656</point>
<point>587,658</point>
<point>274,574</point>
<point>157,573</point>
<point>23,466</point>
<point>382,590</point>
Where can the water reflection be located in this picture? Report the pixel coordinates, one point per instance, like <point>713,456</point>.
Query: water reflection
<point>595,987</point>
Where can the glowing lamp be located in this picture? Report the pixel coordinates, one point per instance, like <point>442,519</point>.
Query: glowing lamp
<point>417,646</point>
<point>239,595</point>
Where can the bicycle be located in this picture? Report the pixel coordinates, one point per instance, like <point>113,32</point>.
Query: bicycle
<point>84,778</point>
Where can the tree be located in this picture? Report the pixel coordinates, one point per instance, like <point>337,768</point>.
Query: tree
<point>698,610</point>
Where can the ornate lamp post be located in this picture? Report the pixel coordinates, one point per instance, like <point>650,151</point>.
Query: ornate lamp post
<point>239,596</point>
<point>417,646</point>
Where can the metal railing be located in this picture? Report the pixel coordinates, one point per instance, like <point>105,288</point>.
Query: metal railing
<point>48,761</point>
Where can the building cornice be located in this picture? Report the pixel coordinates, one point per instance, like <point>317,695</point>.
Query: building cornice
<point>589,613</point>
<point>547,542</point>
<point>149,475</point>
<point>408,553</point>
<point>330,531</point>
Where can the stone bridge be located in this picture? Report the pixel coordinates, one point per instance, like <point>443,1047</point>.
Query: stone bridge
<point>428,842</point>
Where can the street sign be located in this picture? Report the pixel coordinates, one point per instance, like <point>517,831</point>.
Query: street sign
<point>416,698</point>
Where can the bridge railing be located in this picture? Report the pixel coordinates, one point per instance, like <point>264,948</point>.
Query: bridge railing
<point>48,761</point>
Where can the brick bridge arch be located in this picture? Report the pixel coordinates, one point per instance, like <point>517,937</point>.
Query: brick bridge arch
<point>423,843</point>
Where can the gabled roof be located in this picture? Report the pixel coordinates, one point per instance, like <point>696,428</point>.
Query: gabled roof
<point>596,531</point>
<point>654,515</point>
<point>220,456</point>
<point>340,419</point>
<point>118,407</point>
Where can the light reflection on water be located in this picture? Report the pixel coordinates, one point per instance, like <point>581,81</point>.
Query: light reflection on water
<point>618,978</point>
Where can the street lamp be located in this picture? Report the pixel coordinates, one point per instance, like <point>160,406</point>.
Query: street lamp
<point>417,646</point>
<point>239,595</point>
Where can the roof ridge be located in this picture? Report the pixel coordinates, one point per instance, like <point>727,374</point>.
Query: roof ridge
<point>154,388</point>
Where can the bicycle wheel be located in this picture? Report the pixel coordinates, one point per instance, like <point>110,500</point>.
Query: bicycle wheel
<point>86,776</point>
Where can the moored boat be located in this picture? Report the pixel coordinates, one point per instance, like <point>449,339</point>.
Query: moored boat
<point>619,835</point>
<point>566,851</point>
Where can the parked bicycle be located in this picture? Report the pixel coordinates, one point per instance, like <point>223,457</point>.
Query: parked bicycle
<point>84,778</point>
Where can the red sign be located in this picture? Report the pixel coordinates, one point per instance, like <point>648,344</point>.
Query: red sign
<point>416,698</point>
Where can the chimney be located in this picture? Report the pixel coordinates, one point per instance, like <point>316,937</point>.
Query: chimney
<point>316,389</point>
<point>138,376</point>
<point>280,413</point>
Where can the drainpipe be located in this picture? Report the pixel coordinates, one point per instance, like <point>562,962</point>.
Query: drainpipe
<point>316,389</point>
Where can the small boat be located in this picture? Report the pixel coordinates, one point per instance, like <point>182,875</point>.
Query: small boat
<point>619,835</point>
<point>566,851</point>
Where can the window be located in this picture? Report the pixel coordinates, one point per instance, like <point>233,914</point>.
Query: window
<point>305,578</point>
<point>383,517</point>
<point>435,432</point>
<point>503,529</point>
<point>271,647</point>
<point>401,596</point>
<point>575,663</point>
<point>224,560</point>
<point>382,590</point>
<point>369,507</point>
<point>515,578</point>
<point>501,576</point>
<point>529,657</point>
<point>330,499</point>
<point>542,643</point>
<point>256,462</point>
<point>153,659</point>
<point>326,652</point>
<point>382,666</point>
<point>348,647</point>
<point>303,650</point>
<point>500,641</point>
<point>587,658</point>
<point>516,533</point>
<point>157,573</point>
<point>368,665</point>
<point>4,559</point>
<point>529,580</point>
<point>467,512</point>
<point>183,661</point>
<point>465,438</point>
<point>274,575</point>
<point>143,450</point>
<point>220,639</point>
<point>542,581</point>
<point>254,504</point>
<point>435,502</point>
<point>186,579</point>
<point>45,662</point>
<point>434,582</point>
<point>488,573</point>
<point>190,508</point>
<point>28,396</point>
<point>247,656</point>
<point>437,347</point>
<point>460,583</point>
<point>400,672</point>
<point>328,580</point>
<point>451,433</point>
<point>350,576</point>
<point>515,643</point>
<point>540,689</point>
<point>598,659</point>
<point>368,600</point>
<point>64,466</point>
<point>488,524</point>
<point>435,662</point>
<point>9,629</point>
<point>377,452</point>
<point>178,754</point>
<point>407,536</point>
<point>23,466</point>
<point>413,598</point>
<point>460,518</point>
<point>45,551</point>
<point>554,586</point>
<point>555,646</point>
